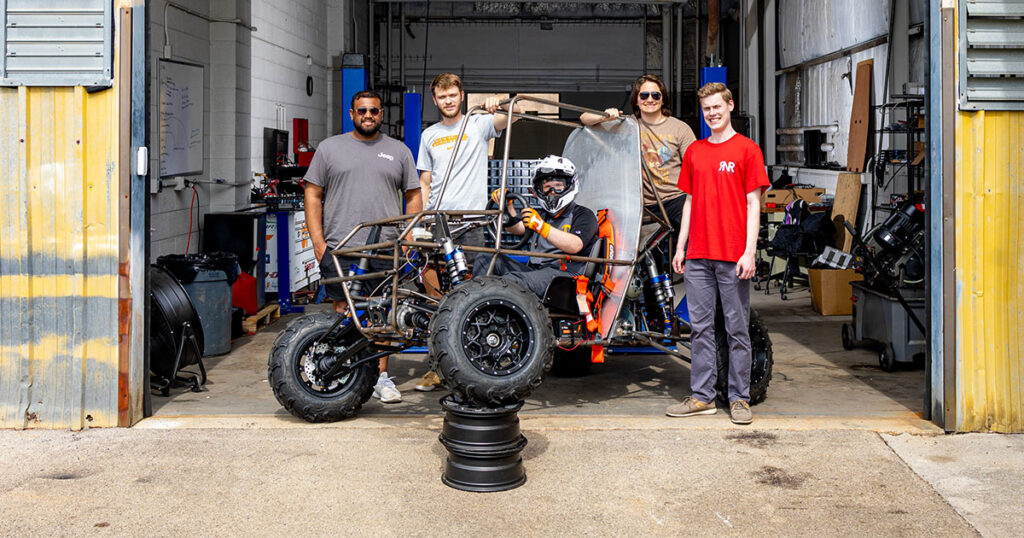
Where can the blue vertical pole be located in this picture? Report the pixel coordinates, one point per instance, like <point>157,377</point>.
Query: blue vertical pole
<point>413,114</point>
<point>709,74</point>
<point>353,81</point>
<point>284,273</point>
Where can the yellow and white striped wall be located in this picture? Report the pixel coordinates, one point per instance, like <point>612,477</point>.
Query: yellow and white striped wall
<point>65,308</point>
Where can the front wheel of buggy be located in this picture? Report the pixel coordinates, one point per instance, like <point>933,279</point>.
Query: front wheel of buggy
<point>298,357</point>
<point>761,359</point>
<point>491,341</point>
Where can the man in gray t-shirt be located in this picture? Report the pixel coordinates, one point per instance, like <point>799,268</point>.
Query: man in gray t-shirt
<point>467,188</point>
<point>357,177</point>
<point>361,180</point>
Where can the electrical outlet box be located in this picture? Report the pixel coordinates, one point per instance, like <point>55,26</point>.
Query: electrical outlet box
<point>179,183</point>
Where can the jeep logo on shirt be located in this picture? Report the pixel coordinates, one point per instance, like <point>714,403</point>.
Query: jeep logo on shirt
<point>383,155</point>
<point>726,166</point>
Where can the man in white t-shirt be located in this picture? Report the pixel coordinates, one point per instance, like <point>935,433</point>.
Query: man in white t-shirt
<point>467,187</point>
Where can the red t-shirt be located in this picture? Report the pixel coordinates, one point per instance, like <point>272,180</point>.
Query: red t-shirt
<point>718,178</point>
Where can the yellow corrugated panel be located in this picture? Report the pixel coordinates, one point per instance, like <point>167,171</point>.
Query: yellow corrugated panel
<point>990,270</point>
<point>58,258</point>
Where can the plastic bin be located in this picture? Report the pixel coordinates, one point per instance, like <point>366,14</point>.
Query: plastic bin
<point>207,278</point>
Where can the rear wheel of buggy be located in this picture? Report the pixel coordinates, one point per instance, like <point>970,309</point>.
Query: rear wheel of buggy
<point>301,354</point>
<point>571,362</point>
<point>491,341</point>
<point>761,357</point>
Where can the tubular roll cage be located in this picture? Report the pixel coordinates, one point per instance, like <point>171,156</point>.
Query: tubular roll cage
<point>391,331</point>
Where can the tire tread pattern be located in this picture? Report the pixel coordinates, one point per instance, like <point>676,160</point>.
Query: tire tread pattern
<point>759,341</point>
<point>447,356</point>
<point>288,347</point>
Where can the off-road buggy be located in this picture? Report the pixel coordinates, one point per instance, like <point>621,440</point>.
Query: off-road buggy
<point>490,340</point>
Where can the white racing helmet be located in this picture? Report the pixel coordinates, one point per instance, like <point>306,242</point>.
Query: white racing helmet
<point>555,167</point>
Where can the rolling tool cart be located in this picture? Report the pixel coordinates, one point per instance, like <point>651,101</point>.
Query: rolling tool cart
<point>881,318</point>
<point>889,305</point>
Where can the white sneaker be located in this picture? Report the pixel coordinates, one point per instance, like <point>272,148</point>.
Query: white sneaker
<point>385,390</point>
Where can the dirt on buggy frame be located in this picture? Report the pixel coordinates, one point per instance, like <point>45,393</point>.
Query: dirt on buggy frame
<point>491,340</point>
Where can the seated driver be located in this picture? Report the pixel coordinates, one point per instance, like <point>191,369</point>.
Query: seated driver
<point>560,227</point>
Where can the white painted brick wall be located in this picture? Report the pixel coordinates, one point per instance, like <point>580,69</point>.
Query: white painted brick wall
<point>275,56</point>
<point>288,32</point>
<point>169,210</point>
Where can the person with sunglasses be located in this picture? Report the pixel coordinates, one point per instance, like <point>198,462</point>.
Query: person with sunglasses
<point>559,226</point>
<point>357,177</point>
<point>663,142</point>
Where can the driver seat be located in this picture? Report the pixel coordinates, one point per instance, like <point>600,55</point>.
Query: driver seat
<point>560,296</point>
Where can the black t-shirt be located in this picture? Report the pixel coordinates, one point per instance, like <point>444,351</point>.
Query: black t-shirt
<point>575,219</point>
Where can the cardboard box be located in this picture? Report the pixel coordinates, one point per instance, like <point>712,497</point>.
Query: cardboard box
<point>778,199</point>
<point>831,291</point>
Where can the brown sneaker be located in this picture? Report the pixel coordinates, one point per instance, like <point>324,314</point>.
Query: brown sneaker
<point>429,382</point>
<point>691,406</point>
<point>739,412</point>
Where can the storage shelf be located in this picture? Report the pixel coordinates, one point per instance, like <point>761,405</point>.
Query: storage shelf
<point>896,165</point>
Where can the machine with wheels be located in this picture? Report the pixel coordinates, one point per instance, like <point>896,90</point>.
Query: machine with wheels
<point>880,319</point>
<point>491,341</point>
<point>889,305</point>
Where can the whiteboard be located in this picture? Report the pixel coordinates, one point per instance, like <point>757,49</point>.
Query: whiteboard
<point>181,118</point>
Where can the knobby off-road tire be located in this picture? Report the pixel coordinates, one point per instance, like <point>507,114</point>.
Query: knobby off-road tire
<point>761,362</point>
<point>305,397</point>
<point>491,341</point>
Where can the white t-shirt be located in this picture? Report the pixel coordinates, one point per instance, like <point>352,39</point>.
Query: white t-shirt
<point>467,188</point>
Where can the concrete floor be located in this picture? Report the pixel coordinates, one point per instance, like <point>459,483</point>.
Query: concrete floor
<point>815,381</point>
<point>385,481</point>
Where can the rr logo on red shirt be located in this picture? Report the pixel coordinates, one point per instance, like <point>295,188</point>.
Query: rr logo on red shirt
<point>726,166</point>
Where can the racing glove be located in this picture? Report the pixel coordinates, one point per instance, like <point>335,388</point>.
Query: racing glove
<point>532,220</point>
<point>496,198</point>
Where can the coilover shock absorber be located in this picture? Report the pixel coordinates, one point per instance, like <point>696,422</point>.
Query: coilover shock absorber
<point>455,261</point>
<point>661,287</point>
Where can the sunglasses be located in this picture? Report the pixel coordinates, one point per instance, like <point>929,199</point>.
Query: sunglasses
<point>653,95</point>
<point>374,111</point>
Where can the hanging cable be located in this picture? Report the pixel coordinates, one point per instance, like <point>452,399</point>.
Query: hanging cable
<point>199,214</point>
<point>426,43</point>
<point>188,243</point>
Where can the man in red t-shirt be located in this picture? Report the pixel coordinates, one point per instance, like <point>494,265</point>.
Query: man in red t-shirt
<point>724,176</point>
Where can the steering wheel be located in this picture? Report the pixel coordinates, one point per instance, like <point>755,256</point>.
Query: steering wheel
<point>508,242</point>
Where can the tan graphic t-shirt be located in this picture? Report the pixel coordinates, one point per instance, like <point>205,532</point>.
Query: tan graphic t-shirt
<point>662,147</point>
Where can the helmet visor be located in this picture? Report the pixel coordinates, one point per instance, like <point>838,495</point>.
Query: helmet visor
<point>554,185</point>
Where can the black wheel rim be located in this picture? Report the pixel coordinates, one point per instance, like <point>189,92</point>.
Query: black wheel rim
<point>306,369</point>
<point>497,337</point>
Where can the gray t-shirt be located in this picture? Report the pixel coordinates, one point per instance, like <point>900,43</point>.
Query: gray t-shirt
<point>467,188</point>
<point>362,181</point>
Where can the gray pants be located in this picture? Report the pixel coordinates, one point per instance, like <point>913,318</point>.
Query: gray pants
<point>707,280</point>
<point>535,278</point>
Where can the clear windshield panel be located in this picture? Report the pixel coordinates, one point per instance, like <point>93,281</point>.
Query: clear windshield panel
<point>607,159</point>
